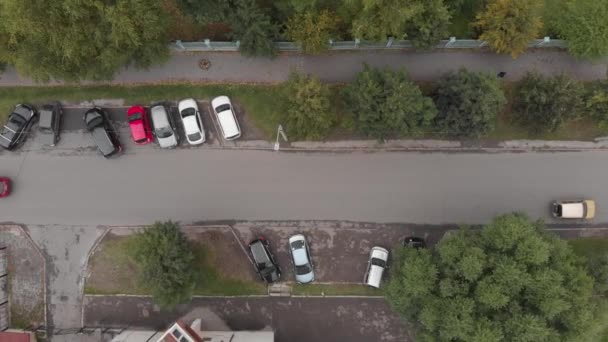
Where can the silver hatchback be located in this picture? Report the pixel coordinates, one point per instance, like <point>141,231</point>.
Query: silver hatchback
<point>164,127</point>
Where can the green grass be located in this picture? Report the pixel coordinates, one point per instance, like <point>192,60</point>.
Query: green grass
<point>589,247</point>
<point>460,24</point>
<point>124,274</point>
<point>261,102</point>
<point>335,290</point>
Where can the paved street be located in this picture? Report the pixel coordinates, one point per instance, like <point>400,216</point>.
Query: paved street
<point>78,187</point>
<point>293,319</point>
<point>343,66</point>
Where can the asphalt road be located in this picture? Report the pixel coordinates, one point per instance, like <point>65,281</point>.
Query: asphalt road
<point>73,186</point>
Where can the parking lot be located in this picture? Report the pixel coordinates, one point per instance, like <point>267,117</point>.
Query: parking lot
<point>340,250</point>
<point>76,140</point>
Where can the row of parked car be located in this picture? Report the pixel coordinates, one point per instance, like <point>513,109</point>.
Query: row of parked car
<point>145,124</point>
<point>270,272</point>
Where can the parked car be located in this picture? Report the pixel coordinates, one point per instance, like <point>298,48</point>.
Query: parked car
<point>414,242</point>
<point>573,209</point>
<point>139,125</point>
<point>164,127</point>
<point>378,258</point>
<point>18,126</point>
<point>5,186</point>
<point>224,112</point>
<point>97,122</point>
<point>191,119</point>
<point>300,256</point>
<point>265,263</point>
<point>49,125</point>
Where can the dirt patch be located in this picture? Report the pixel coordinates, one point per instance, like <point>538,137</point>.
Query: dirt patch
<point>26,278</point>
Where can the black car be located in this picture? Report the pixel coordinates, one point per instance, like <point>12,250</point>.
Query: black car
<point>264,261</point>
<point>18,125</point>
<point>50,123</point>
<point>414,242</point>
<point>96,122</point>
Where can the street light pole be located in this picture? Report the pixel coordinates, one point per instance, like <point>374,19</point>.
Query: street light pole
<point>281,133</point>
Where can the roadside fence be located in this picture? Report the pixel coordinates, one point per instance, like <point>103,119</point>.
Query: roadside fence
<point>358,44</point>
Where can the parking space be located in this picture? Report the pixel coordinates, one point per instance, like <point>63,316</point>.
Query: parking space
<point>339,250</point>
<point>75,140</point>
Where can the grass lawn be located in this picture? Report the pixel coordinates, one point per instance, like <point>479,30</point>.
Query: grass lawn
<point>261,102</point>
<point>335,290</point>
<point>460,24</point>
<point>113,271</point>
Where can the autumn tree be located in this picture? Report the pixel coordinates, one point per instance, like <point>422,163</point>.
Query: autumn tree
<point>582,23</point>
<point>468,103</point>
<point>510,281</point>
<point>543,104</point>
<point>74,40</point>
<point>312,30</point>
<point>166,260</point>
<point>386,103</point>
<point>309,112</point>
<point>509,25</point>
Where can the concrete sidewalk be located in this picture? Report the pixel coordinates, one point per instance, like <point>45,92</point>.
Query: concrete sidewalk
<point>343,66</point>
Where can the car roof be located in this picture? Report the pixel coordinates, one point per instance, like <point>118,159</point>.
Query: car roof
<point>228,123</point>
<point>573,210</point>
<point>46,118</point>
<point>159,116</point>
<point>258,251</point>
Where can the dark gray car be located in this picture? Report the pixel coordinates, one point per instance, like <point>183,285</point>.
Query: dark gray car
<point>50,123</point>
<point>97,122</point>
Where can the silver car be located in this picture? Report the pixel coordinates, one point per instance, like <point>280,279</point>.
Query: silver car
<point>164,128</point>
<point>300,256</point>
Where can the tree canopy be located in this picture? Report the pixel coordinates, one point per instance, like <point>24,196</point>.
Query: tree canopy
<point>582,23</point>
<point>166,259</point>
<point>254,29</point>
<point>312,30</point>
<point>543,103</point>
<point>468,103</point>
<point>74,40</point>
<point>509,25</point>
<point>424,22</point>
<point>386,103</point>
<point>511,281</point>
<point>309,112</point>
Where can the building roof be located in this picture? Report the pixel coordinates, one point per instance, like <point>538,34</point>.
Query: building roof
<point>15,336</point>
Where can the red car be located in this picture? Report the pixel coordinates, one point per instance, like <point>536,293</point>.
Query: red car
<point>5,187</point>
<point>139,122</point>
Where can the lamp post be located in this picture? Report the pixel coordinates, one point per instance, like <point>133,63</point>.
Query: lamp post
<point>280,133</point>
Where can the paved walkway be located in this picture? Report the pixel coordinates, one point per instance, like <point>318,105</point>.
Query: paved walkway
<point>343,66</point>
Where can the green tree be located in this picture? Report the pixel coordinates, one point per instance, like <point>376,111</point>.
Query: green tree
<point>312,30</point>
<point>543,103</point>
<point>509,25</point>
<point>582,23</point>
<point>424,22</point>
<point>468,103</point>
<point>387,103</point>
<point>166,260</point>
<point>254,29</point>
<point>596,102</point>
<point>309,112</point>
<point>74,40</point>
<point>511,281</point>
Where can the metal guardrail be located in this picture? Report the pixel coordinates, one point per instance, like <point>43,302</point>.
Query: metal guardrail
<point>357,44</point>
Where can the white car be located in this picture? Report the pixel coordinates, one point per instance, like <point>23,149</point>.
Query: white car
<point>224,112</point>
<point>300,256</point>
<point>191,119</point>
<point>376,265</point>
<point>578,209</point>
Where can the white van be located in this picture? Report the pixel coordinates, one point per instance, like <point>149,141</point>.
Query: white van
<point>226,118</point>
<point>378,257</point>
<point>573,209</point>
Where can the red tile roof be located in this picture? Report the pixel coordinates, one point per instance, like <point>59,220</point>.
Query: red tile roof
<point>14,337</point>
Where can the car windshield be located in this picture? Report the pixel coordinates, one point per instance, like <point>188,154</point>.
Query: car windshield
<point>297,244</point>
<point>303,269</point>
<point>17,119</point>
<point>222,108</point>
<point>164,132</point>
<point>135,117</point>
<point>188,112</point>
<point>194,136</point>
<point>378,262</point>
<point>95,122</point>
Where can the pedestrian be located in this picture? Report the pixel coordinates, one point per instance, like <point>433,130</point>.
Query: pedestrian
<point>501,74</point>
